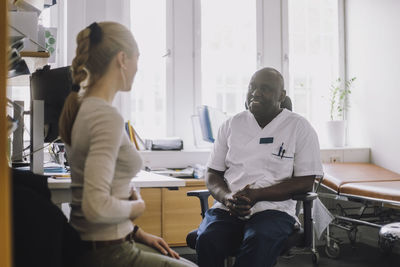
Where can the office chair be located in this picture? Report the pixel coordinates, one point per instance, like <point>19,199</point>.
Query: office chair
<point>301,241</point>
<point>41,233</point>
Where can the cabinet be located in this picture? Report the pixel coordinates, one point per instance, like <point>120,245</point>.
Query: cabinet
<point>150,221</point>
<point>170,213</point>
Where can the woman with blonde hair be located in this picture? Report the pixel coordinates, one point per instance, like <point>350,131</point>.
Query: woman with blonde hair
<point>101,157</point>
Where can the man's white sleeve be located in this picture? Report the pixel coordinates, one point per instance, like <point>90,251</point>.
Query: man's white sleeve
<point>307,158</point>
<point>217,157</point>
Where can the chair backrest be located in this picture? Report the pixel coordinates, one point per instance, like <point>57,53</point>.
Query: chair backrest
<point>287,103</point>
<point>42,235</point>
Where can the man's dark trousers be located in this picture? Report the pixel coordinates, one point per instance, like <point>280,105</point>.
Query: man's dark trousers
<point>255,242</point>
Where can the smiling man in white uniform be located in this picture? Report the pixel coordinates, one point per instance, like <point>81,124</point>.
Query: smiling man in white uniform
<point>261,158</point>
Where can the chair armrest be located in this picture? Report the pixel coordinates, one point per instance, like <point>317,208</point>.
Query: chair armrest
<point>199,193</point>
<point>309,196</point>
<point>203,197</point>
<point>307,200</point>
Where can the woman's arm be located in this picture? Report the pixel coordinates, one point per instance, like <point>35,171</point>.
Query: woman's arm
<point>106,130</point>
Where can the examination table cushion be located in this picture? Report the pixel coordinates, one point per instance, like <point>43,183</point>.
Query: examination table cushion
<point>336,175</point>
<point>386,191</point>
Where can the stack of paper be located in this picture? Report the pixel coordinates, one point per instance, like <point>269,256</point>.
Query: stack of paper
<point>178,173</point>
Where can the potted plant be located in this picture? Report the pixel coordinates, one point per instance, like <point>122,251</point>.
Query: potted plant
<point>338,101</point>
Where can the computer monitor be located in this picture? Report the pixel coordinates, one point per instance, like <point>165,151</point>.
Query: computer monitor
<point>52,86</point>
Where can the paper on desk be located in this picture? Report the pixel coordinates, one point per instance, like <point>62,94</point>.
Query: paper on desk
<point>178,173</point>
<point>322,217</point>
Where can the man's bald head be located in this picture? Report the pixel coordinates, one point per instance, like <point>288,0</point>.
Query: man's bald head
<point>270,73</point>
<point>266,92</point>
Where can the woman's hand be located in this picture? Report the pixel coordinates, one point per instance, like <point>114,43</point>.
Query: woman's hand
<point>135,195</point>
<point>138,205</point>
<point>155,242</point>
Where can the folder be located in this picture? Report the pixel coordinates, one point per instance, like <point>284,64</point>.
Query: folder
<point>132,135</point>
<point>210,121</point>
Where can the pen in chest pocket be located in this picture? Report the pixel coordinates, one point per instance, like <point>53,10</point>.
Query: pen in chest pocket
<point>281,152</point>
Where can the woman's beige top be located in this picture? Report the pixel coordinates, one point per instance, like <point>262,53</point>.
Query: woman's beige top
<point>103,162</point>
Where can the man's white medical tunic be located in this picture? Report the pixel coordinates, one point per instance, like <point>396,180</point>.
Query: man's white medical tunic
<point>286,147</point>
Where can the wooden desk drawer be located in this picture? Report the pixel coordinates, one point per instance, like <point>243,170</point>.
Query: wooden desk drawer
<point>180,214</point>
<point>150,220</point>
<point>171,214</point>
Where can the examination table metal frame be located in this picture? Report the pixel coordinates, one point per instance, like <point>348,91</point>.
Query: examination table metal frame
<point>376,189</point>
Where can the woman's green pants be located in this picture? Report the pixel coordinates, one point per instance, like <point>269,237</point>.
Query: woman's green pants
<point>129,254</point>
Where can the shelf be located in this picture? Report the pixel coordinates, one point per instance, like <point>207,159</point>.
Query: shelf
<point>34,54</point>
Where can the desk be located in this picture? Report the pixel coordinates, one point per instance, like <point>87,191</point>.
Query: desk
<point>61,187</point>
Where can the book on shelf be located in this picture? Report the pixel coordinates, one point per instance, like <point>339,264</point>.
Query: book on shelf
<point>138,138</point>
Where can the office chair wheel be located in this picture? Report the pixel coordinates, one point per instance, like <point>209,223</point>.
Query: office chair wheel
<point>315,257</point>
<point>332,250</point>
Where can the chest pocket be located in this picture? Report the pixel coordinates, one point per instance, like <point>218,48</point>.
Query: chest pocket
<point>280,166</point>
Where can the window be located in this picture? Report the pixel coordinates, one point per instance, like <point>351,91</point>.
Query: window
<point>228,52</point>
<point>148,96</point>
<point>214,46</point>
<point>314,64</point>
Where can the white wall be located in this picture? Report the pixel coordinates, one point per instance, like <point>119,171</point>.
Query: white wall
<point>373,56</point>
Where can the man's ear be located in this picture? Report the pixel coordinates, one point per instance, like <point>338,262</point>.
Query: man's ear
<point>282,96</point>
<point>121,60</point>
